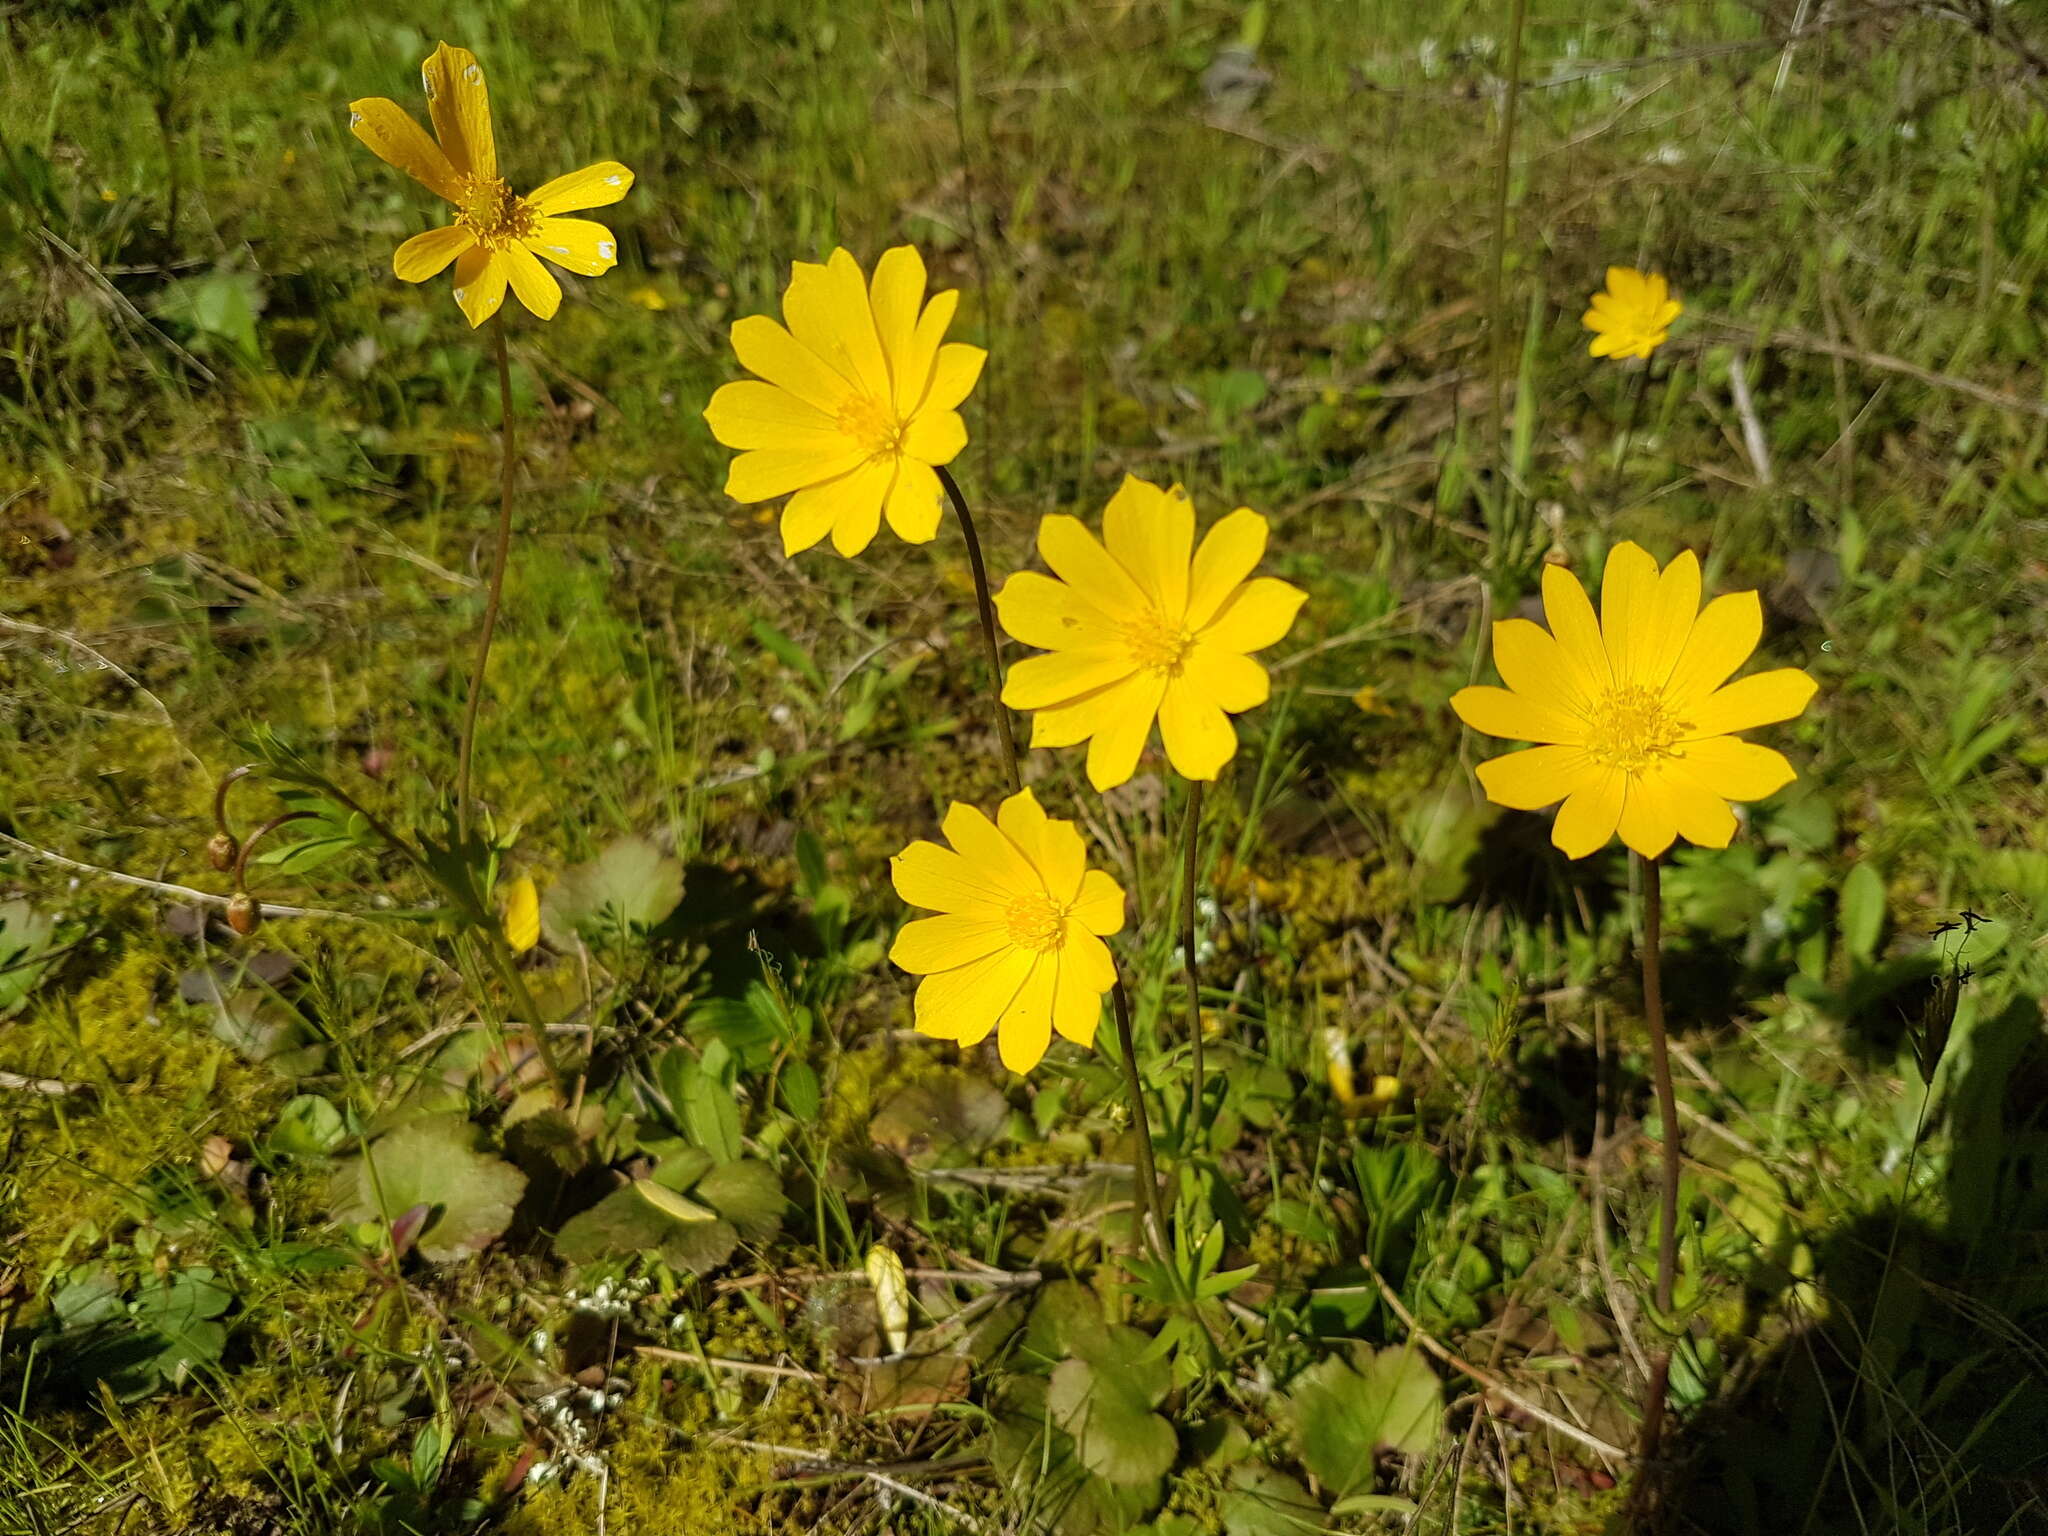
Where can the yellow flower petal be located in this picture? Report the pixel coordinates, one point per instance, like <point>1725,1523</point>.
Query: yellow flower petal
<point>1050,614</point>
<point>1025,1029</point>
<point>1628,593</point>
<point>1577,632</point>
<point>827,310</point>
<point>1540,776</point>
<point>423,256</point>
<point>1230,552</point>
<point>953,377</point>
<point>479,284</point>
<point>770,352</point>
<point>1649,822</point>
<point>916,503</point>
<point>1516,716</point>
<point>965,1003</point>
<point>1722,638</point>
<point>1150,532</point>
<point>1198,735</point>
<point>769,472</point>
<point>1735,769</point>
<point>896,295</point>
<point>1256,615</point>
<point>595,186</point>
<point>1590,814</point>
<point>1703,818</point>
<point>750,414</point>
<point>1124,716</point>
<point>982,843</point>
<point>1066,725</point>
<point>460,105</point>
<point>532,282</point>
<point>1076,1002</point>
<point>581,246</point>
<point>394,138</point>
<point>1083,564</point>
<point>522,915</point>
<point>1063,677</point>
<point>858,507</point>
<point>927,875</point>
<point>1675,607</point>
<point>914,372</point>
<point>1760,699</point>
<point>1100,907</point>
<point>1532,664</point>
<point>807,517</point>
<point>935,437</point>
<point>1234,681</point>
<point>941,943</point>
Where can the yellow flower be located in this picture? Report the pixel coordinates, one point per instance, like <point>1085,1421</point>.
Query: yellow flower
<point>1636,725</point>
<point>1140,630</point>
<point>892,1296</point>
<point>522,915</point>
<point>498,237</point>
<point>1018,947</point>
<point>858,406</point>
<point>1632,315</point>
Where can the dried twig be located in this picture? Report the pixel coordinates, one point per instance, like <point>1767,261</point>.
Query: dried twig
<point>1486,1378</point>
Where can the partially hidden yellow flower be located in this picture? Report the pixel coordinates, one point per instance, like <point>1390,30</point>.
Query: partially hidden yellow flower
<point>892,1296</point>
<point>1631,316</point>
<point>498,237</point>
<point>522,915</point>
<point>1637,729</point>
<point>854,405</point>
<point>1143,626</point>
<point>1017,947</point>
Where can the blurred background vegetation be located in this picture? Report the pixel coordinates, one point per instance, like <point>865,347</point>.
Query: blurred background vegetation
<point>1267,250</point>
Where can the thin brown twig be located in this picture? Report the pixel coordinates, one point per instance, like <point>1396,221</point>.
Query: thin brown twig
<point>1484,1377</point>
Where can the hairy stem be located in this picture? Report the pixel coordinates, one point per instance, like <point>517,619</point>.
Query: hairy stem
<point>990,643</point>
<point>1187,953</point>
<point>508,462</point>
<point>1134,1086</point>
<point>1667,1112</point>
<point>1496,298</point>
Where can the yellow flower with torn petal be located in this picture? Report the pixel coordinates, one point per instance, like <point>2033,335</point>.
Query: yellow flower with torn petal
<point>854,405</point>
<point>1632,316</point>
<point>1633,708</point>
<point>1017,947</point>
<point>1143,626</point>
<point>499,238</point>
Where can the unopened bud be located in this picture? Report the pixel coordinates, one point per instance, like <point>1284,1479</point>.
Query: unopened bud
<point>243,913</point>
<point>221,851</point>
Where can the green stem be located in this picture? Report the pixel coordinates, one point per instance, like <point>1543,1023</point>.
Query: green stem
<point>1503,156</point>
<point>1187,952</point>
<point>990,643</point>
<point>1134,1086</point>
<point>507,463</point>
<point>1667,1111</point>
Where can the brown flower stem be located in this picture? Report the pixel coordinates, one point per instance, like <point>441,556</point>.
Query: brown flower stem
<point>1187,952</point>
<point>507,463</point>
<point>228,781</point>
<point>1134,1086</point>
<point>988,623</point>
<point>1667,1112</point>
<point>249,846</point>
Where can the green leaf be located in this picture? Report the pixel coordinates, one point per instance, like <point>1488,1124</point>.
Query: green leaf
<point>436,1162</point>
<point>1390,1401</point>
<point>1109,1414</point>
<point>696,1231</point>
<point>788,652</point>
<point>632,883</point>
<point>1862,912</point>
<point>25,938</point>
<point>308,1126</point>
<point>703,1096</point>
<point>1269,1503</point>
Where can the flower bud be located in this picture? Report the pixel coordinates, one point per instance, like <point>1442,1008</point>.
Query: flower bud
<point>221,850</point>
<point>243,913</point>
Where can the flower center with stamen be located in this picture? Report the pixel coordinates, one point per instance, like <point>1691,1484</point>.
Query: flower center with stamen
<point>873,425</point>
<point>1037,922</point>
<point>492,212</point>
<point>1157,645</point>
<point>1631,727</point>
